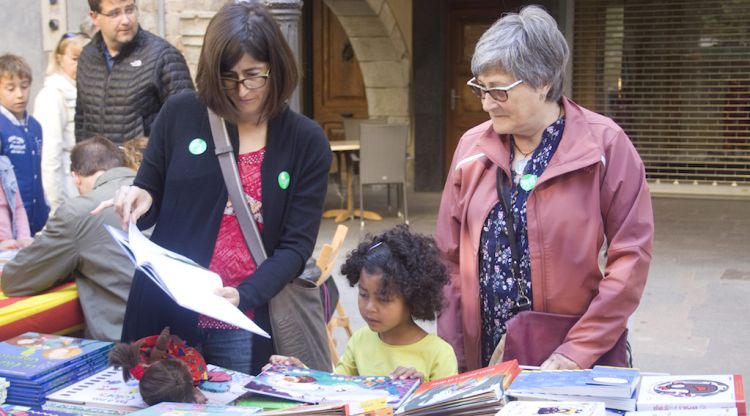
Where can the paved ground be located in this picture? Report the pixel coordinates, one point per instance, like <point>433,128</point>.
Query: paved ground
<point>693,317</point>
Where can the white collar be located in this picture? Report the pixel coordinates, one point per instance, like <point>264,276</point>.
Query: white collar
<point>16,122</point>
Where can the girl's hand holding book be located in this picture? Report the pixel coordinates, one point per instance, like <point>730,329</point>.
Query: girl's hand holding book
<point>406,372</point>
<point>285,360</point>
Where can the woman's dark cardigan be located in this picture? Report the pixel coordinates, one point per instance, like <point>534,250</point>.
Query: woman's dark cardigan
<point>189,196</point>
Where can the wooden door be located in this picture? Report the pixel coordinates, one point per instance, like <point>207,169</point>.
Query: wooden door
<point>466,23</point>
<point>338,89</point>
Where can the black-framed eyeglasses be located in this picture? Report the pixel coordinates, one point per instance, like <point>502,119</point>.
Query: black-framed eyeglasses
<point>129,10</point>
<point>499,94</point>
<point>251,83</point>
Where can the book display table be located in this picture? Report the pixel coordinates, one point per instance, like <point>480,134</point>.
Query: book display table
<point>55,311</point>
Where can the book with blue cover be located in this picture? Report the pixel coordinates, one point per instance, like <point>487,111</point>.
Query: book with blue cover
<point>32,355</point>
<point>601,381</point>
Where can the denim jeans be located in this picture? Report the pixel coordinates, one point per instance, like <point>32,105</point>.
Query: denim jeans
<point>228,348</point>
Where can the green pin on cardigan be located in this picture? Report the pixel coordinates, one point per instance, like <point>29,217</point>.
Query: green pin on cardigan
<point>528,182</point>
<point>197,146</point>
<point>284,179</point>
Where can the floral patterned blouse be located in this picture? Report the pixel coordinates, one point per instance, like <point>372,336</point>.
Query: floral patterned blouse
<point>498,290</point>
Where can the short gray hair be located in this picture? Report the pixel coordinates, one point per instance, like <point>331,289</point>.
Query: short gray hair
<point>527,45</point>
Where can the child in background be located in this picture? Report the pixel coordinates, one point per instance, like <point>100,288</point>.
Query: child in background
<point>14,225</point>
<point>21,137</point>
<point>167,369</point>
<point>55,108</point>
<point>400,277</point>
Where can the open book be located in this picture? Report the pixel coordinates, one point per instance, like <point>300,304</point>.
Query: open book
<point>189,284</point>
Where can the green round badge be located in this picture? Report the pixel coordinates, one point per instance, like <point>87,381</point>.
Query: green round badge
<point>284,179</point>
<point>528,182</point>
<point>197,146</point>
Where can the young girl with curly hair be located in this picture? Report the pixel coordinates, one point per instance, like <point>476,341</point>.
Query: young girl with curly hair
<point>400,278</point>
<point>166,368</point>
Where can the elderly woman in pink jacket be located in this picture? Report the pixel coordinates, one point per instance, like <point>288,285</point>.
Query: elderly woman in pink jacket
<point>574,184</point>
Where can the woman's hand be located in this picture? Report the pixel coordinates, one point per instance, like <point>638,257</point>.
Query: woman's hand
<point>130,203</point>
<point>559,362</point>
<point>285,360</point>
<point>406,372</point>
<point>229,293</point>
<point>9,244</point>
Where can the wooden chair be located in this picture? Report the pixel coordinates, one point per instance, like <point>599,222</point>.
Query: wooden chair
<point>326,262</point>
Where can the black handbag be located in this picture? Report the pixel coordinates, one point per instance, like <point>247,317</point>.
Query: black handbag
<point>298,326</point>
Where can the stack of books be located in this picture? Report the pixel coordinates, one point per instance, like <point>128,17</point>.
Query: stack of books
<point>615,386</point>
<point>36,364</point>
<point>692,392</point>
<point>478,392</point>
<point>106,393</point>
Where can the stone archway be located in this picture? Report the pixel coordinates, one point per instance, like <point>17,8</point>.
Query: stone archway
<point>382,54</point>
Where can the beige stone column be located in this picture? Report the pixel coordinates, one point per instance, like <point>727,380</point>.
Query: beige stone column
<point>288,14</point>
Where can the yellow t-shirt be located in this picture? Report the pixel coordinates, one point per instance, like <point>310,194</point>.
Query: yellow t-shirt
<point>367,355</point>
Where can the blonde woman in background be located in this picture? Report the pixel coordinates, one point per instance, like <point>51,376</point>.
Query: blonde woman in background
<point>55,107</point>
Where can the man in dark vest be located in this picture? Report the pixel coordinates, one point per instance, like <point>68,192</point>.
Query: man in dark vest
<point>124,75</point>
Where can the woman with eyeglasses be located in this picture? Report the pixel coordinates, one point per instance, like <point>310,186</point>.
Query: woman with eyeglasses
<point>246,74</point>
<point>55,108</point>
<point>532,197</point>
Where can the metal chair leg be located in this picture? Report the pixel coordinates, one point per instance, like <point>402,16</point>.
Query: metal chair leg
<point>406,209</point>
<point>361,208</point>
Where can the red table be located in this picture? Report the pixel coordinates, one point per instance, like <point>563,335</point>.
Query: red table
<point>55,311</point>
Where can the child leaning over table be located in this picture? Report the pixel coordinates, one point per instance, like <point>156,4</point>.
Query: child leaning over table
<point>166,368</point>
<point>400,277</point>
<point>14,225</point>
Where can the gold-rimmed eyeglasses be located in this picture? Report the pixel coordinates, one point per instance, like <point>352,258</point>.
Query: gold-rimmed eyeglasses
<point>128,10</point>
<point>251,82</point>
<point>499,94</point>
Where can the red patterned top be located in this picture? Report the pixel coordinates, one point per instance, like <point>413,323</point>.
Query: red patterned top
<point>231,258</point>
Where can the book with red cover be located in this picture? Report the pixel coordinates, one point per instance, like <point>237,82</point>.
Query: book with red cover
<point>692,392</point>
<point>474,392</point>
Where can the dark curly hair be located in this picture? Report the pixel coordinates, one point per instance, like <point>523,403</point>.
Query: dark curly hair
<point>410,265</point>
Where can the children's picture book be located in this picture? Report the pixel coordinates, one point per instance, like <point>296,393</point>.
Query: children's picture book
<point>523,408</point>
<point>32,355</point>
<point>600,381</point>
<point>18,410</point>
<point>611,403</point>
<point>477,390</point>
<point>313,386</point>
<point>107,390</point>
<point>192,409</point>
<point>332,409</point>
<point>694,412</point>
<point>6,256</point>
<point>189,284</point>
<point>692,392</point>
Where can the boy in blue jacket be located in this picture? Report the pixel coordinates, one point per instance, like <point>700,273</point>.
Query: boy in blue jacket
<point>21,137</point>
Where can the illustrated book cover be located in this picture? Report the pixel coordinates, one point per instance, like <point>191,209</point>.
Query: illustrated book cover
<point>107,390</point>
<point>313,386</point>
<point>523,408</point>
<point>692,392</point>
<point>693,412</point>
<point>470,391</point>
<point>600,381</point>
<point>32,355</point>
<point>189,284</point>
